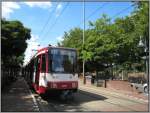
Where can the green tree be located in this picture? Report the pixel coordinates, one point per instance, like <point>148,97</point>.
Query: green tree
<point>13,42</point>
<point>101,42</point>
<point>108,43</point>
<point>74,39</point>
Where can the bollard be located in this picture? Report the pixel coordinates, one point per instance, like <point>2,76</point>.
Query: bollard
<point>105,84</point>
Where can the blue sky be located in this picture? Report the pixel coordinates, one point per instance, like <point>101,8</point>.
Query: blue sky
<point>35,15</point>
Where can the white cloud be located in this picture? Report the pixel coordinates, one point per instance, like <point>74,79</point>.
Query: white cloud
<point>32,46</point>
<point>59,38</point>
<point>58,9</point>
<point>8,8</point>
<point>43,5</point>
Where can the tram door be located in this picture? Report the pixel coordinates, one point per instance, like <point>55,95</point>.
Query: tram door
<point>38,69</point>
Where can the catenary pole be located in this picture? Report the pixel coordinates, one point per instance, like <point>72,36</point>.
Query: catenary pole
<point>84,80</point>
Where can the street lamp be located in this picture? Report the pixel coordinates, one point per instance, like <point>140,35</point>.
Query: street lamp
<point>112,71</point>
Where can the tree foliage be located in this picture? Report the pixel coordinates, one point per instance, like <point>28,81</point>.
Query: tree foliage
<point>13,42</point>
<point>108,43</point>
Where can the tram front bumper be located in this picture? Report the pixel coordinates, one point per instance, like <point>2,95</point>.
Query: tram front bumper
<point>63,85</point>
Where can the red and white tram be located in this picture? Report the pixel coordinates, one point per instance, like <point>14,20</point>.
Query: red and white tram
<point>53,68</point>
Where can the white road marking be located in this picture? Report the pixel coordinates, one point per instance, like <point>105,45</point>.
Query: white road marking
<point>33,98</point>
<point>34,101</point>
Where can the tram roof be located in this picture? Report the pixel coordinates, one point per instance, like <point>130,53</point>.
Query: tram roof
<point>46,49</point>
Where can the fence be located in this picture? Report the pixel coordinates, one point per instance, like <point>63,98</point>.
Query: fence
<point>137,77</point>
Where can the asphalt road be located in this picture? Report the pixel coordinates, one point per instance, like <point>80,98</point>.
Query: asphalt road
<point>84,100</point>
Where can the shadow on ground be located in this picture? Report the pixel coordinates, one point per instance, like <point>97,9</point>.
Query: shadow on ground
<point>74,104</point>
<point>16,98</point>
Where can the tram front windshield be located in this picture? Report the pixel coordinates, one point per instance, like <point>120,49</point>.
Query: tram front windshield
<point>62,60</point>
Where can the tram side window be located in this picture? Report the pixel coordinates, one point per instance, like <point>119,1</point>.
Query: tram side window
<point>37,64</point>
<point>49,63</point>
<point>44,63</point>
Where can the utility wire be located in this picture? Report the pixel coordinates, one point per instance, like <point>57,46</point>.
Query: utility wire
<point>120,12</point>
<point>102,7</point>
<point>112,16</point>
<point>52,26</point>
<point>95,11</point>
<point>50,16</point>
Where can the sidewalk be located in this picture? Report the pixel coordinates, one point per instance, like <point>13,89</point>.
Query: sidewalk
<point>18,98</point>
<point>129,94</point>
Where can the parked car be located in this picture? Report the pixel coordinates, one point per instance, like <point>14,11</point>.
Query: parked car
<point>140,87</point>
<point>145,87</point>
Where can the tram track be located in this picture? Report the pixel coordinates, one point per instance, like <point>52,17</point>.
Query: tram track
<point>44,105</point>
<point>53,104</point>
<point>113,95</point>
<point>56,105</point>
<point>107,101</point>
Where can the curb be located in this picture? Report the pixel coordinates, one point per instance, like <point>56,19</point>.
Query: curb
<point>36,107</point>
<point>140,99</point>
